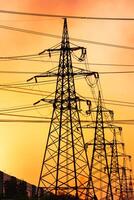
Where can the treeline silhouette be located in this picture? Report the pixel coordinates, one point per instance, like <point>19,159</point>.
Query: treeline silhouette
<point>12,188</point>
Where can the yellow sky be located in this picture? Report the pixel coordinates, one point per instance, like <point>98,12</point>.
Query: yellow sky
<point>22,145</point>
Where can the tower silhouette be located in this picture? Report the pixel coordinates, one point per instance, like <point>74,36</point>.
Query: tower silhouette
<point>114,167</point>
<point>65,168</point>
<point>109,169</point>
<point>99,158</point>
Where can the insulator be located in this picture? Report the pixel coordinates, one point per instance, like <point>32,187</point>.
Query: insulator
<point>120,128</point>
<point>35,80</point>
<point>89,103</point>
<point>88,112</point>
<point>96,75</point>
<point>83,54</point>
<point>49,54</point>
<point>111,114</point>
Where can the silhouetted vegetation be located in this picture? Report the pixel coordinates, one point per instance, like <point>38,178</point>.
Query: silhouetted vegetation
<point>10,188</point>
<point>15,189</point>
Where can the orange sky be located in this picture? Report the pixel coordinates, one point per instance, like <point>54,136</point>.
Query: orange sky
<point>22,145</point>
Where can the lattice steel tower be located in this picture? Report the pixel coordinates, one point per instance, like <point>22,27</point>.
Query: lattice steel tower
<point>100,168</point>
<point>65,168</point>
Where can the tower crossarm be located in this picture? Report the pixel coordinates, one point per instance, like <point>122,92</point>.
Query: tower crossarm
<point>53,74</point>
<point>71,49</point>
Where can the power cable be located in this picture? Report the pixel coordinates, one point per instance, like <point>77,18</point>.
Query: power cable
<point>111,100</point>
<point>28,83</point>
<point>67,16</point>
<point>23,109</point>
<point>22,88</point>
<point>90,63</point>
<point>37,72</point>
<point>118,72</point>
<point>26,57</point>
<point>24,121</point>
<point>112,64</point>
<point>22,92</point>
<point>74,39</point>
<point>19,72</point>
<point>126,122</point>
<point>23,116</point>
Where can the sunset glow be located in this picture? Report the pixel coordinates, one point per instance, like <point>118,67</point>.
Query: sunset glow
<point>22,144</point>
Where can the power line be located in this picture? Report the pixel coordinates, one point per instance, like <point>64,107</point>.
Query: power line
<point>127,122</point>
<point>29,31</point>
<point>25,57</point>
<point>21,56</point>
<point>23,116</point>
<point>66,16</point>
<point>74,39</point>
<point>28,83</point>
<point>19,72</point>
<point>112,64</point>
<point>111,100</point>
<point>37,72</point>
<point>26,109</point>
<point>24,121</point>
<point>22,92</point>
<point>21,108</point>
<point>118,72</point>
<point>80,63</point>
<point>119,104</point>
<point>27,89</point>
<point>13,87</point>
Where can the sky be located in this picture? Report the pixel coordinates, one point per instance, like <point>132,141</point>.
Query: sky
<point>22,144</point>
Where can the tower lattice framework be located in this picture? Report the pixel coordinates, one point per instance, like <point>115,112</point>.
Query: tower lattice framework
<point>65,168</point>
<point>100,165</point>
<point>111,176</point>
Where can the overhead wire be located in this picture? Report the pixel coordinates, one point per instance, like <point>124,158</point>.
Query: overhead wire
<point>126,122</point>
<point>27,89</point>
<point>117,72</point>
<point>24,121</point>
<point>26,57</point>
<point>28,83</point>
<point>39,72</point>
<point>67,16</point>
<point>17,91</point>
<point>23,116</point>
<point>90,63</point>
<point>122,103</point>
<point>26,107</point>
<point>116,101</point>
<point>59,37</point>
<point>18,108</point>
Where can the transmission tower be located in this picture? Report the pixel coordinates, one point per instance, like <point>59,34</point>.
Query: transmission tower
<point>130,178</point>
<point>65,168</point>
<point>111,176</point>
<point>100,168</point>
<point>105,169</point>
<point>124,175</point>
<point>114,155</point>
